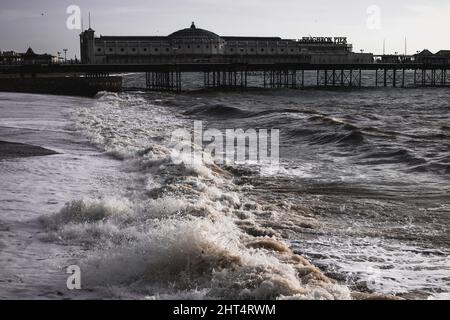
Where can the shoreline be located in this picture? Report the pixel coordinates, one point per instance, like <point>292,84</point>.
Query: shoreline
<point>60,85</point>
<point>11,150</point>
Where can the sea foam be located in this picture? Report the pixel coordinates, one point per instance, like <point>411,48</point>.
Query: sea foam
<point>182,230</point>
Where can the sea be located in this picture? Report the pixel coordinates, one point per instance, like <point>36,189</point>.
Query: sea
<point>358,205</point>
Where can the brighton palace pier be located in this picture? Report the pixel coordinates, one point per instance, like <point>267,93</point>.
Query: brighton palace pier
<point>236,62</point>
<point>195,45</point>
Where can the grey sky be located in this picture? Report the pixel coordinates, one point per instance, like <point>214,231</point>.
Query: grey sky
<point>424,22</point>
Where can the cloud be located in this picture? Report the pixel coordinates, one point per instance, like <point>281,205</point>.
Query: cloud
<point>12,15</point>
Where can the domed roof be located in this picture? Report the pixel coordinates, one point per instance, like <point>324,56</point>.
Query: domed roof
<point>194,33</point>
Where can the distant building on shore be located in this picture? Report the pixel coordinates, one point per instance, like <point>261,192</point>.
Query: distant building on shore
<point>27,58</point>
<point>193,45</point>
<point>426,56</point>
<point>393,58</point>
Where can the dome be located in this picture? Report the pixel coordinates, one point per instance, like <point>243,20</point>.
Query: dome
<point>194,33</point>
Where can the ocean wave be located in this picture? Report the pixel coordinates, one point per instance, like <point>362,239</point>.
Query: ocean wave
<point>88,210</point>
<point>198,254</point>
<point>333,121</point>
<point>354,137</point>
<point>218,111</point>
<point>435,167</point>
<point>388,156</point>
<point>183,230</point>
<point>224,111</point>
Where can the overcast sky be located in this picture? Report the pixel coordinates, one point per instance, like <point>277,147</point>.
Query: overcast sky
<point>42,24</point>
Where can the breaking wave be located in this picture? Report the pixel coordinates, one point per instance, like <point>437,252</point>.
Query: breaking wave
<point>218,111</point>
<point>224,111</point>
<point>178,231</point>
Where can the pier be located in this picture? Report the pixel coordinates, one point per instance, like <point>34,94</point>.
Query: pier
<point>169,77</point>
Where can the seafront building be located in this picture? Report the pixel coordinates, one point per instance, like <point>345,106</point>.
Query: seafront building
<point>27,58</point>
<point>440,57</point>
<point>195,45</point>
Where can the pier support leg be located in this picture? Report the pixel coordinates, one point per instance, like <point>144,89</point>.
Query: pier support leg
<point>394,79</point>
<point>163,81</point>
<point>303,79</point>
<point>403,78</point>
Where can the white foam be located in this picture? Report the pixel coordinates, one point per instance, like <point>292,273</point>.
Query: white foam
<point>182,254</point>
<point>382,266</point>
<point>91,210</point>
<point>175,234</point>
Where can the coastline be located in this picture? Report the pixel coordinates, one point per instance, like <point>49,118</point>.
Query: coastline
<point>64,85</point>
<point>9,150</point>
